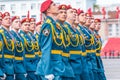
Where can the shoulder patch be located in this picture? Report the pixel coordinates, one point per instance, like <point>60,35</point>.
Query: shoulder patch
<point>46,32</point>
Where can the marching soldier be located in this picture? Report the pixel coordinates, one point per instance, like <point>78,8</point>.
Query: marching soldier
<point>29,49</point>
<point>74,47</point>
<point>35,42</point>
<point>8,47</point>
<point>19,66</point>
<point>1,48</point>
<point>50,66</point>
<point>85,73</point>
<point>90,46</point>
<point>61,17</point>
<point>93,55</point>
<point>101,74</point>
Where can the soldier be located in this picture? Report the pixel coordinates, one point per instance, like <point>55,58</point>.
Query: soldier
<point>1,45</point>
<point>74,47</point>
<point>19,66</point>
<point>101,74</point>
<point>93,55</point>
<point>8,47</point>
<point>35,42</point>
<point>29,49</point>
<point>90,46</point>
<point>85,73</point>
<point>50,66</point>
<point>61,17</point>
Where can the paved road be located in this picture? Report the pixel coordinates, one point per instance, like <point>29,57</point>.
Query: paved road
<point>112,68</point>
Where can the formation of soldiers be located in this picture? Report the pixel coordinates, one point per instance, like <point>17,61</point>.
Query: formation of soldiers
<point>66,46</point>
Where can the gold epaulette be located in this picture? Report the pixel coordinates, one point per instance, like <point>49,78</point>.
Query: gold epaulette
<point>1,31</point>
<point>65,25</point>
<point>48,21</point>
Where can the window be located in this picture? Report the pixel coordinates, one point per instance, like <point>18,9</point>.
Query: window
<point>110,30</point>
<point>117,33</point>
<point>33,6</point>
<point>33,16</point>
<point>2,7</point>
<point>23,16</point>
<point>110,27</point>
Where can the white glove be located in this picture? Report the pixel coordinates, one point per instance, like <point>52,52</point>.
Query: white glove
<point>3,78</point>
<point>25,75</point>
<point>49,77</point>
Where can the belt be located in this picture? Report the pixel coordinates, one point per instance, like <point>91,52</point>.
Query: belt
<point>18,58</point>
<point>97,54</point>
<point>75,52</point>
<point>90,51</point>
<point>8,56</point>
<point>84,53</point>
<point>65,54</point>
<point>0,55</point>
<point>29,55</point>
<point>36,53</point>
<point>56,51</point>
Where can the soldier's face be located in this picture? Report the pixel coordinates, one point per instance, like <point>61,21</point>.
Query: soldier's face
<point>6,21</point>
<point>0,20</point>
<point>32,26</point>
<point>92,25</point>
<point>88,21</point>
<point>16,24</point>
<point>62,15</point>
<point>82,18</point>
<point>25,26</point>
<point>98,26</point>
<point>71,14</point>
<point>53,8</point>
<point>76,20</point>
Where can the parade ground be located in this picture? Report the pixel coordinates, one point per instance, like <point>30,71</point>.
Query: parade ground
<point>112,68</point>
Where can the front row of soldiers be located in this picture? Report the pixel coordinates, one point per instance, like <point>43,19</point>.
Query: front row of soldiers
<point>66,48</point>
<point>70,44</point>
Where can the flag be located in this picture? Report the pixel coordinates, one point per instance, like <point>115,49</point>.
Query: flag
<point>117,12</point>
<point>28,15</point>
<point>103,12</point>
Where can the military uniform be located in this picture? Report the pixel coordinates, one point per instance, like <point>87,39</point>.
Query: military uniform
<point>100,71</point>
<point>85,72</point>
<point>90,50</point>
<point>74,50</point>
<point>1,53</point>
<point>37,39</point>
<point>66,55</point>
<point>29,55</point>
<point>36,50</point>
<point>19,65</point>
<point>8,54</point>
<point>1,47</point>
<point>51,43</point>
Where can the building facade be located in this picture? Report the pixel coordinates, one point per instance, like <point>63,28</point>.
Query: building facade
<point>21,7</point>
